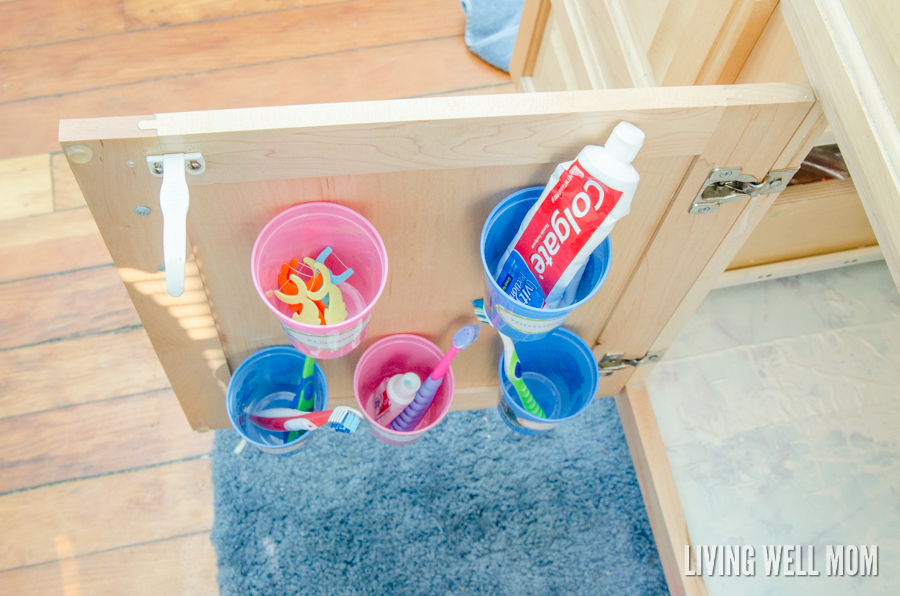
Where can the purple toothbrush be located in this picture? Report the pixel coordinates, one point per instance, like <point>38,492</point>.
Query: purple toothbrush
<point>413,413</point>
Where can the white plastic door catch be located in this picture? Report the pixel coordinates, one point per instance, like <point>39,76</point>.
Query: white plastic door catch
<point>174,202</point>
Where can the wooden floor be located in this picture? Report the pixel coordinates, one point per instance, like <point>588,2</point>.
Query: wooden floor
<point>104,489</point>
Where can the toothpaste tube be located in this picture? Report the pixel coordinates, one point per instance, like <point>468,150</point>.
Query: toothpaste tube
<point>576,211</point>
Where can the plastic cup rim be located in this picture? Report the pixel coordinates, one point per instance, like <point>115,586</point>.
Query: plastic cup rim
<point>595,377</point>
<point>349,214</point>
<point>541,313</point>
<point>254,357</point>
<point>387,340</point>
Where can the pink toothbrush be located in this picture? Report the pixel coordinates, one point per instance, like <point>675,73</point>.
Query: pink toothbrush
<point>413,413</point>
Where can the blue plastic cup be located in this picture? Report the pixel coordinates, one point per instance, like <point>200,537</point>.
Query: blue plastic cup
<point>513,319</point>
<point>270,378</point>
<point>561,374</point>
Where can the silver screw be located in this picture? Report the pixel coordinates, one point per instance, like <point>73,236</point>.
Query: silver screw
<point>142,210</point>
<point>160,267</point>
<point>703,209</point>
<point>129,163</point>
<point>726,174</point>
<point>194,165</point>
<point>157,168</point>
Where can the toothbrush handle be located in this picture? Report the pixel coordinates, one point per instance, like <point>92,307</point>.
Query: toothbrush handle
<point>441,369</point>
<point>304,400</point>
<point>413,413</point>
<point>528,402</point>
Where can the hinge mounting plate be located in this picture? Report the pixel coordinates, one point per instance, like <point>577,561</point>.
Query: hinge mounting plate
<point>193,164</point>
<point>613,362</point>
<point>725,185</point>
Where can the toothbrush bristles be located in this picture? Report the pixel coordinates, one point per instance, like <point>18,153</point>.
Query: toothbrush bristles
<point>478,305</point>
<point>344,419</point>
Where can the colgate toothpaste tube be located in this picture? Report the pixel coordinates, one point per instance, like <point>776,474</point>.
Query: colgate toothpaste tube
<point>577,210</point>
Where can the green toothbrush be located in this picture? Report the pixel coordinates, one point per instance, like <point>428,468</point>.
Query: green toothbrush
<point>512,366</point>
<point>514,374</point>
<point>306,396</point>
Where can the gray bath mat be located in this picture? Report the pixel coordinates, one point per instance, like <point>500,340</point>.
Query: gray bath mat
<point>471,508</point>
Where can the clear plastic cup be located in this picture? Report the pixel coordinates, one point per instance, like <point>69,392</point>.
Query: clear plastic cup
<point>512,318</point>
<point>398,354</point>
<point>304,231</point>
<point>561,374</point>
<point>270,378</point>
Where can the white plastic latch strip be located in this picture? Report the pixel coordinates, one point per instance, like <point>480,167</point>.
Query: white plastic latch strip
<point>174,202</point>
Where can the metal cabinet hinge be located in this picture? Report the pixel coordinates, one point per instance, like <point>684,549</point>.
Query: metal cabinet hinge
<point>613,362</point>
<point>725,185</point>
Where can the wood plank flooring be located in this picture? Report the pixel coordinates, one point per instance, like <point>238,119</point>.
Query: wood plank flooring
<point>104,488</point>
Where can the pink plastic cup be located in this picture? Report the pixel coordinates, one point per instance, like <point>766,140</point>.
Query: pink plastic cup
<point>397,354</point>
<point>304,231</point>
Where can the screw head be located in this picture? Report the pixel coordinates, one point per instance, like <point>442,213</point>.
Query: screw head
<point>157,168</point>
<point>704,209</point>
<point>726,174</point>
<point>161,267</point>
<point>129,163</point>
<point>194,165</point>
<point>142,210</point>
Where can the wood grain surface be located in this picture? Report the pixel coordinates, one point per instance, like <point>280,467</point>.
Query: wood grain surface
<point>111,436</point>
<point>808,220</point>
<point>138,507</point>
<point>166,52</point>
<point>57,374</point>
<point>851,53</point>
<point>108,494</point>
<point>27,188</point>
<point>50,243</point>
<point>658,488</point>
<point>66,305</point>
<point>282,156</point>
<point>183,565</point>
<point>66,194</point>
<point>351,54</point>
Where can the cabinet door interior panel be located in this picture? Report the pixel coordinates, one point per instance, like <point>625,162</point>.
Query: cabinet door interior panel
<point>426,173</point>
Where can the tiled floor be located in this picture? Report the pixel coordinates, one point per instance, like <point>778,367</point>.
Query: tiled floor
<point>779,406</point>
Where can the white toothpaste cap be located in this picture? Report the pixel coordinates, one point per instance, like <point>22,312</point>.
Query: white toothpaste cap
<point>404,387</point>
<point>625,141</point>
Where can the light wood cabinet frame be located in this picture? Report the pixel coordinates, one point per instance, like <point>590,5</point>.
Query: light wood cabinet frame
<point>847,51</point>
<point>426,173</point>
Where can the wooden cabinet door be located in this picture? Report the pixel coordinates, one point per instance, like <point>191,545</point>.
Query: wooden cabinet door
<point>426,173</point>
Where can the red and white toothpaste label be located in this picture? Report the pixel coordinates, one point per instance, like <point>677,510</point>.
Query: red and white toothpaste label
<point>577,205</point>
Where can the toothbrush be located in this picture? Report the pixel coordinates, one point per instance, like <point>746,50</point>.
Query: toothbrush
<point>305,398</point>
<point>512,366</point>
<point>413,413</point>
<point>342,419</point>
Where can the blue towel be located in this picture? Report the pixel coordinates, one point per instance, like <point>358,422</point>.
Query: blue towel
<point>491,28</point>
